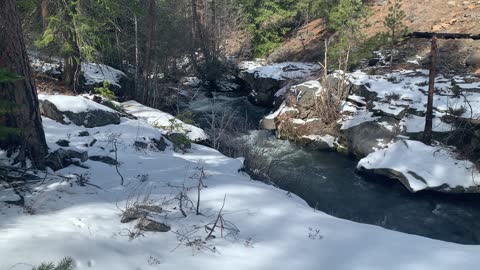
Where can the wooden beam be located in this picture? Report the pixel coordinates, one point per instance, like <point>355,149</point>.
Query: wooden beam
<point>427,134</point>
<point>442,35</point>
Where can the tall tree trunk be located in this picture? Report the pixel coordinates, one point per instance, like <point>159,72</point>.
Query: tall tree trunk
<point>25,116</point>
<point>427,134</point>
<point>147,66</point>
<point>44,13</point>
<point>72,61</point>
<point>193,35</point>
<point>137,59</point>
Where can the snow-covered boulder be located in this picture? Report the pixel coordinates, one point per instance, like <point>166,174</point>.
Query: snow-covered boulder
<point>367,137</point>
<point>98,73</point>
<point>266,80</point>
<point>163,121</point>
<point>419,166</point>
<point>78,110</point>
<point>62,158</point>
<point>93,73</point>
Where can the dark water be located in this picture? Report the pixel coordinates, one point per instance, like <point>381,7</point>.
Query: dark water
<point>329,183</point>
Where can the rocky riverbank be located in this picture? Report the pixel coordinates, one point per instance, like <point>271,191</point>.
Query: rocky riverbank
<point>380,110</point>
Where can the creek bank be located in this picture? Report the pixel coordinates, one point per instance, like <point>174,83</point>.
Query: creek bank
<point>379,111</point>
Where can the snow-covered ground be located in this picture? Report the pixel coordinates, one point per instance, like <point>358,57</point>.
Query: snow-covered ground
<point>277,230</point>
<point>164,121</point>
<point>404,90</point>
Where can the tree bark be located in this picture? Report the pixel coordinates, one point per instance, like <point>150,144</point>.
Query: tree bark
<point>30,140</point>
<point>147,66</point>
<point>72,61</point>
<point>44,13</point>
<point>427,134</point>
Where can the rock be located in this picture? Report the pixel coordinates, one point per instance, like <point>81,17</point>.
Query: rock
<point>140,145</point>
<point>265,81</point>
<point>373,62</point>
<point>473,60</point>
<point>363,138</point>
<point>104,159</point>
<point>89,119</point>
<point>83,134</point>
<point>62,158</point>
<point>92,143</point>
<point>180,142</point>
<point>316,142</point>
<point>263,89</point>
<point>422,167</point>
<point>149,225</point>
<point>363,91</point>
<point>139,211</point>
<point>160,144</point>
<point>268,124</point>
<point>307,93</point>
<point>63,143</point>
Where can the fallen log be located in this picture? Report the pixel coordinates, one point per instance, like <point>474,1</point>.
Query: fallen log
<point>442,35</point>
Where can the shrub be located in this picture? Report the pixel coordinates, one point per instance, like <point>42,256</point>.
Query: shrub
<point>456,90</point>
<point>105,91</point>
<point>457,111</point>
<point>65,264</point>
<point>186,117</point>
<point>392,96</point>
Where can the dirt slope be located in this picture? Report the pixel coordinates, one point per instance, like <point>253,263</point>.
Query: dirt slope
<point>451,16</point>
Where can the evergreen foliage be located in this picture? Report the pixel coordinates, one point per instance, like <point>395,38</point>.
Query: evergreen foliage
<point>104,91</point>
<point>269,21</point>
<point>394,23</point>
<point>7,76</point>
<point>6,106</point>
<point>346,20</point>
<point>65,264</point>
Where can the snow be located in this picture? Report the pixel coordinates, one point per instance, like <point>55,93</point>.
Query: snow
<point>98,73</point>
<point>416,124</point>
<point>192,81</point>
<point>281,71</point>
<point>329,139</point>
<point>361,116</point>
<point>423,166</point>
<point>75,104</point>
<point>277,230</point>
<point>164,121</point>
<point>280,111</point>
<point>388,108</point>
<point>411,88</point>
<point>93,73</point>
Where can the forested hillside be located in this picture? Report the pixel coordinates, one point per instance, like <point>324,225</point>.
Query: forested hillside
<point>239,134</point>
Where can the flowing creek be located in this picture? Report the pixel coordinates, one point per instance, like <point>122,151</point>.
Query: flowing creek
<point>329,183</point>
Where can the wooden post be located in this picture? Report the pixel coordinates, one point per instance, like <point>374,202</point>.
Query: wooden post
<point>427,134</point>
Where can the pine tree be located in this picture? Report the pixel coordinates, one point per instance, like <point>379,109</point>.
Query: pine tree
<point>65,264</point>
<point>79,30</point>
<point>394,23</point>
<point>345,20</point>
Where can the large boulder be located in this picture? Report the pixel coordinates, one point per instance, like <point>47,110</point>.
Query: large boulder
<point>423,167</point>
<point>473,60</point>
<point>265,81</point>
<point>368,136</point>
<point>77,110</point>
<point>63,158</point>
